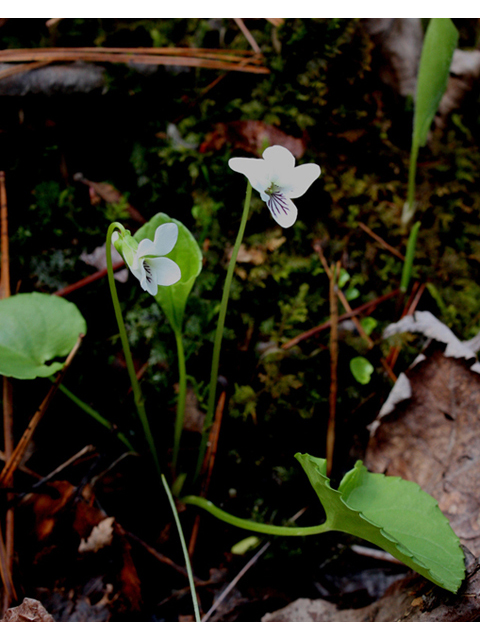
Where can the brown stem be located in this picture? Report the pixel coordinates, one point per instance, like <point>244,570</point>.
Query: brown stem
<point>368,306</point>
<point>333,278</point>
<point>84,281</point>
<point>341,296</point>
<point>381,241</point>
<point>7,552</point>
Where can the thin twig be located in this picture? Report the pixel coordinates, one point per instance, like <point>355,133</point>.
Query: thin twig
<point>161,557</point>
<point>243,571</point>
<point>5,573</point>
<point>8,552</point>
<point>5,273</point>
<point>341,296</point>
<point>187,57</point>
<point>416,294</point>
<point>368,306</point>
<point>380,240</point>
<point>235,581</point>
<point>241,25</point>
<point>88,280</point>
<point>333,279</point>
<point>23,68</point>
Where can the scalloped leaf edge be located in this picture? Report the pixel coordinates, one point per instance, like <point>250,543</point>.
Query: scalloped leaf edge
<point>387,540</point>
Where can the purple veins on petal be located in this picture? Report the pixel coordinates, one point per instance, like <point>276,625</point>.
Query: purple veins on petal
<point>278,204</point>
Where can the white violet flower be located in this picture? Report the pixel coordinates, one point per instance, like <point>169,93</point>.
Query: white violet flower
<point>146,259</point>
<point>277,180</point>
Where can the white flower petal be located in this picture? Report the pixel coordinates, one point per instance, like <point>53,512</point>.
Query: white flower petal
<point>301,179</point>
<point>254,169</point>
<point>149,284</point>
<point>165,238</point>
<point>165,271</point>
<point>279,158</point>
<point>145,248</point>
<point>282,209</point>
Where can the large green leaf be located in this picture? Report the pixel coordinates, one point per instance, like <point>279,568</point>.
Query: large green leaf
<point>37,331</point>
<point>394,514</point>
<point>187,255</point>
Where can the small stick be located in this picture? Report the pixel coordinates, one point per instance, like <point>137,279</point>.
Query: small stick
<point>5,573</point>
<point>23,68</point>
<point>89,279</point>
<point>5,275</point>
<point>242,572</point>
<point>321,327</point>
<point>241,25</point>
<point>333,277</point>
<point>417,292</point>
<point>18,453</point>
<point>318,248</point>
<point>384,244</point>
<point>7,550</point>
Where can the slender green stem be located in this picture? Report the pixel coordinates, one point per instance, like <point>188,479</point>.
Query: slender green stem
<point>137,393</point>
<point>95,415</point>
<point>182,394</point>
<point>412,171</point>
<point>212,392</point>
<point>257,527</point>
<point>184,549</point>
<point>409,256</point>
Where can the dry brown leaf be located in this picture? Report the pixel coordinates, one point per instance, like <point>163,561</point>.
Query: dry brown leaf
<point>251,136</point>
<point>29,611</point>
<point>46,508</point>
<point>100,536</point>
<point>433,439</point>
<point>108,193</point>
<point>412,599</point>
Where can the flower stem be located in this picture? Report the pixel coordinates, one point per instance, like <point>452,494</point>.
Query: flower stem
<point>219,332</point>
<point>184,549</point>
<point>137,393</point>
<point>182,394</point>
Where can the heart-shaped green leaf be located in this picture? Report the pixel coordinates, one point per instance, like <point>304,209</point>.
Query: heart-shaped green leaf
<point>361,369</point>
<point>36,330</point>
<point>394,514</point>
<point>186,253</point>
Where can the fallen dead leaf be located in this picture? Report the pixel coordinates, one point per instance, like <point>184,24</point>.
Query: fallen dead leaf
<point>101,536</point>
<point>412,599</point>
<point>107,192</point>
<point>433,439</point>
<point>251,136</point>
<point>29,611</point>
